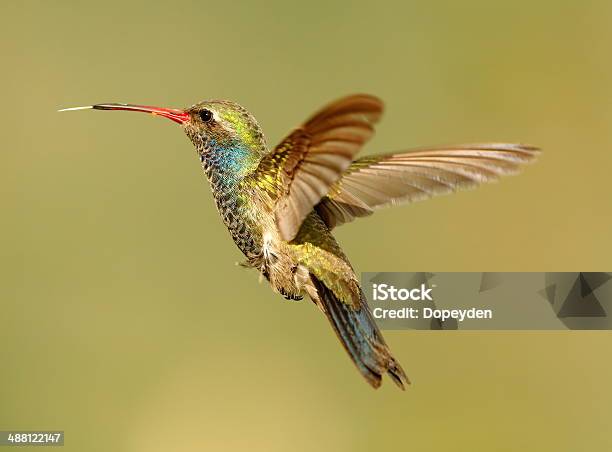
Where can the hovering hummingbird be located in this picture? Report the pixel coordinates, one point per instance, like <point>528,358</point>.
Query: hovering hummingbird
<point>281,205</point>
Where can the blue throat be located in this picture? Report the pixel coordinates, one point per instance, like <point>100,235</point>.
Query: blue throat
<point>226,165</point>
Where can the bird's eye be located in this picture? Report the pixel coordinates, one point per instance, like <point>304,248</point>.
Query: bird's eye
<point>206,115</point>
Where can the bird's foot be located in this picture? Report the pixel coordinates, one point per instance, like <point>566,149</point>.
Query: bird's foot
<point>290,296</point>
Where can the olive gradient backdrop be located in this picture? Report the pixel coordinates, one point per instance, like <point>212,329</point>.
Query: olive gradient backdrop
<point>124,320</point>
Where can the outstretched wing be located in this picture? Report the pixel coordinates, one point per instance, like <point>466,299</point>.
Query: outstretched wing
<point>373,182</point>
<point>299,172</point>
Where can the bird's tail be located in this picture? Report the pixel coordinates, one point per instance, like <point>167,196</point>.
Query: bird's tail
<point>360,336</point>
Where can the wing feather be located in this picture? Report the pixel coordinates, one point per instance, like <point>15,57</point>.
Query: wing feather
<point>374,182</point>
<point>300,171</point>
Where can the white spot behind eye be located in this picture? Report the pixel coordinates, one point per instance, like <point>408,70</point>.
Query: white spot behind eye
<point>222,122</point>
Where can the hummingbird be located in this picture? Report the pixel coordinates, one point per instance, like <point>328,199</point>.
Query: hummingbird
<point>280,205</point>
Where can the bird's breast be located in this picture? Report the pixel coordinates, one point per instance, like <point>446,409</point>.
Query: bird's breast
<point>247,216</point>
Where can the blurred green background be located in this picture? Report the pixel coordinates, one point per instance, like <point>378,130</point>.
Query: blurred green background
<point>124,320</point>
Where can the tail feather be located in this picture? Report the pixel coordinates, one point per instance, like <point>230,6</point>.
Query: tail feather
<point>361,338</point>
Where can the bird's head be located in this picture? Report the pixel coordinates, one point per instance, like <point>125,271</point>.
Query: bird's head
<point>215,125</point>
<point>221,124</point>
